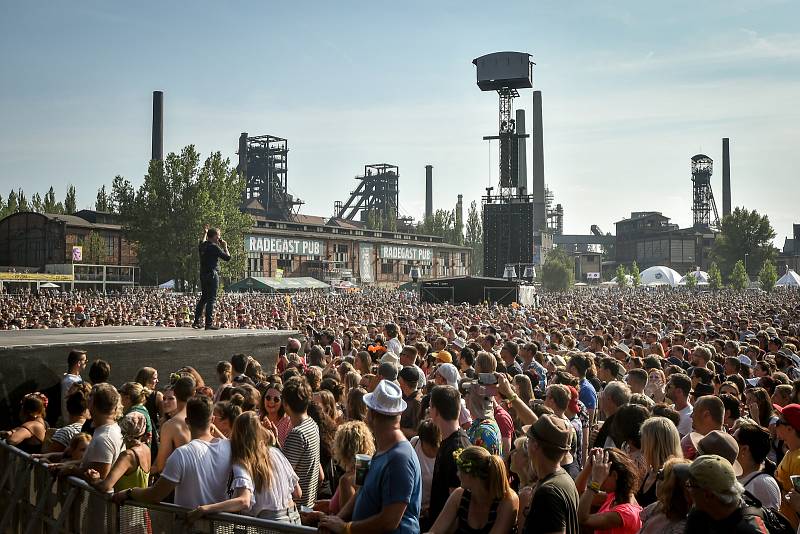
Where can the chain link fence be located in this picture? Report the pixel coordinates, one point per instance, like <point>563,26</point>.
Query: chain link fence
<point>33,501</point>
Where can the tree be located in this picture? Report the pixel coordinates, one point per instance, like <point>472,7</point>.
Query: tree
<point>474,238</point>
<point>11,203</point>
<point>557,271</point>
<point>767,276</point>
<point>621,275</point>
<point>36,203</point>
<point>22,201</point>
<point>70,201</point>
<point>50,204</point>
<point>3,213</point>
<point>122,196</point>
<point>691,280</point>
<point>739,279</point>
<point>714,277</point>
<point>168,212</point>
<point>103,202</point>
<point>743,233</point>
<point>94,248</point>
<point>636,277</point>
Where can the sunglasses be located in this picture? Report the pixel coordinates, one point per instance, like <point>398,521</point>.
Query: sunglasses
<point>273,399</point>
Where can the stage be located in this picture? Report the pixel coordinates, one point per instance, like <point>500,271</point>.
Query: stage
<point>33,360</point>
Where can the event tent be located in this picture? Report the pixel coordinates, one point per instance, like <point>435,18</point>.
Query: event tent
<point>613,281</point>
<point>790,279</point>
<point>701,277</point>
<point>660,275</point>
<point>261,283</point>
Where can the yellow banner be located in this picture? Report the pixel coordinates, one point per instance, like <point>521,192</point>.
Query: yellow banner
<point>35,277</point>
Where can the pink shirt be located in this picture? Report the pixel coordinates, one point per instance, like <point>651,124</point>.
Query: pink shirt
<point>629,512</point>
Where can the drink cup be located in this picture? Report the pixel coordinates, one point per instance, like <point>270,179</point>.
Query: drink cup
<point>362,467</point>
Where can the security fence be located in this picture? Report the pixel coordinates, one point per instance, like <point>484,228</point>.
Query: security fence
<point>33,501</point>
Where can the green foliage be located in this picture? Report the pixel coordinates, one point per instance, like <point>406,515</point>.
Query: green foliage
<point>122,196</point>
<point>11,204</point>
<point>36,203</point>
<point>70,201</point>
<point>691,280</point>
<point>474,238</point>
<point>714,277</point>
<point>442,224</point>
<point>103,202</point>
<point>743,233</point>
<point>168,212</point>
<point>621,275</point>
<point>557,271</point>
<point>739,279</point>
<point>22,201</point>
<point>767,276</point>
<point>94,248</point>
<point>635,275</point>
<point>50,204</point>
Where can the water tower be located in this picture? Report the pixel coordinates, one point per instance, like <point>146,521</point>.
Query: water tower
<point>703,204</point>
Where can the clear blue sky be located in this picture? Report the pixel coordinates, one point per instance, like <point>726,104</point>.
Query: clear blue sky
<point>631,91</point>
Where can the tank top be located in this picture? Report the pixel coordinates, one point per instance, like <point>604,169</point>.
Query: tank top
<point>645,498</point>
<point>463,516</point>
<point>136,479</point>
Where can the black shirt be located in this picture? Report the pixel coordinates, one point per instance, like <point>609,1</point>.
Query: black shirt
<point>554,506</point>
<point>445,471</point>
<point>209,256</point>
<point>736,523</point>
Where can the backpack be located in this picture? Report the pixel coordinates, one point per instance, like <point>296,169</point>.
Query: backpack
<point>775,521</point>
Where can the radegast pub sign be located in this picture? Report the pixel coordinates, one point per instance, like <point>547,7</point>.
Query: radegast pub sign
<point>393,252</point>
<point>284,245</point>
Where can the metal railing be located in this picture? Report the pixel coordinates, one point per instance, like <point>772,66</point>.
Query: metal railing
<point>32,501</point>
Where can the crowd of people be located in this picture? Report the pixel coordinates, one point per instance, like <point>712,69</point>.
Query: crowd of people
<point>605,411</point>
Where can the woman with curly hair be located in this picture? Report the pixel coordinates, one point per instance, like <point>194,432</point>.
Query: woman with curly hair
<point>29,436</point>
<point>351,438</point>
<point>611,472</point>
<point>485,501</point>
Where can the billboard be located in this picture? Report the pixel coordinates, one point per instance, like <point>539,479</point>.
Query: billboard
<point>284,245</point>
<point>365,262</point>
<point>394,252</point>
<point>77,254</point>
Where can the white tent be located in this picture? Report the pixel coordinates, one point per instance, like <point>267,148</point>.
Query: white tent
<point>701,277</point>
<point>167,285</point>
<point>614,280</point>
<point>658,275</point>
<point>790,279</point>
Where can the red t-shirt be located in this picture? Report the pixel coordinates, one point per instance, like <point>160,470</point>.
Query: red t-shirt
<point>504,422</point>
<point>629,512</point>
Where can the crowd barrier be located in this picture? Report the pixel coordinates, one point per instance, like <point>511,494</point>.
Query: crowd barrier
<point>33,501</point>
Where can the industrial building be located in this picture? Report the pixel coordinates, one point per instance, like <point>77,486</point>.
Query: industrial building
<point>789,257</point>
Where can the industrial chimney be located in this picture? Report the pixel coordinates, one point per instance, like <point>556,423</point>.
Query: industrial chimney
<point>539,201</point>
<point>428,191</point>
<point>158,126</point>
<point>460,212</point>
<point>522,156</point>
<point>726,178</point>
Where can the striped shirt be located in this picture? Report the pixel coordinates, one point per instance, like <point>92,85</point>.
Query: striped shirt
<point>301,448</point>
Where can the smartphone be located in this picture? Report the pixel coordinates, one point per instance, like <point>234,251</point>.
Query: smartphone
<point>795,482</point>
<point>487,379</point>
<point>282,350</point>
<point>306,509</point>
<point>328,350</point>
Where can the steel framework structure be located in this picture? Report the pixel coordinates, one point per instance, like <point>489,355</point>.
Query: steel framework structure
<point>703,204</point>
<point>378,190</point>
<point>263,163</point>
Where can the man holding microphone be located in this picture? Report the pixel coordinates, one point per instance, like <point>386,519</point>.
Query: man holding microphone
<point>211,248</point>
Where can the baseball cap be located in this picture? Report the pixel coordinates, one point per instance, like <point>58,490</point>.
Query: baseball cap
<point>551,430</point>
<point>449,372</point>
<point>790,415</point>
<point>444,356</point>
<point>388,370</point>
<point>410,375</point>
<point>710,472</point>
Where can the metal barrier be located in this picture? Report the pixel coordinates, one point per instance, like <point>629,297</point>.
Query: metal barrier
<point>32,501</point>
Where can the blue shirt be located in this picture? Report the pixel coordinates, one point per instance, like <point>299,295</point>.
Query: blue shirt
<point>587,394</point>
<point>542,372</point>
<point>394,476</point>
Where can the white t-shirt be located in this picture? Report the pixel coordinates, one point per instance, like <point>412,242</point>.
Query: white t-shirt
<point>685,426</point>
<point>764,488</point>
<point>66,383</point>
<point>394,346</point>
<point>426,467</point>
<point>278,493</point>
<point>201,470</point>
<point>105,446</point>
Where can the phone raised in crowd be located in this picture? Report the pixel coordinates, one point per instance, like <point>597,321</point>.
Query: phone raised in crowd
<point>282,350</point>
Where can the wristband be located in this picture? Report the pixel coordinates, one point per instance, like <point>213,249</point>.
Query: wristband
<point>594,486</point>
<point>512,398</point>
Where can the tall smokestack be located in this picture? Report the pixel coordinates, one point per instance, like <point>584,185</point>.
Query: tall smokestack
<point>539,215</point>
<point>726,177</point>
<point>428,191</point>
<point>460,211</point>
<point>158,125</point>
<point>522,156</point>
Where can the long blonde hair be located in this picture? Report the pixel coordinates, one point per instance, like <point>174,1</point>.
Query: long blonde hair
<point>478,462</point>
<point>250,448</point>
<point>660,441</point>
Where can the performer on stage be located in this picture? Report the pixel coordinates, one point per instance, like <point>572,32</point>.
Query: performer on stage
<point>212,247</point>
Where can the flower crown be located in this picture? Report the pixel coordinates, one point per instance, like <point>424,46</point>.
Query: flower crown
<point>478,468</point>
<point>36,395</point>
<point>376,348</point>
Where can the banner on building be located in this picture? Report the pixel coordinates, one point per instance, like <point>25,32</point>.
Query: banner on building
<point>365,262</point>
<point>395,252</point>
<point>284,245</point>
<point>278,274</point>
<point>77,254</point>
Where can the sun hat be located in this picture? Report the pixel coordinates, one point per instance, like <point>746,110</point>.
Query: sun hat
<point>449,372</point>
<point>386,399</point>
<point>444,356</point>
<point>551,430</point>
<point>720,444</point>
<point>622,347</point>
<point>710,472</point>
<point>459,342</point>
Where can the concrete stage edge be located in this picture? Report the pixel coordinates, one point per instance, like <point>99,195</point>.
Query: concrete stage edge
<point>35,360</point>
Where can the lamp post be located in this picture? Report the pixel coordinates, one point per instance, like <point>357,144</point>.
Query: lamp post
<point>745,261</point>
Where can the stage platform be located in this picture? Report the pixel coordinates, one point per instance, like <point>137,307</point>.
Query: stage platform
<point>32,360</point>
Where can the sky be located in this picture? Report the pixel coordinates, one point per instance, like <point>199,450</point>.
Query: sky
<point>631,90</point>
